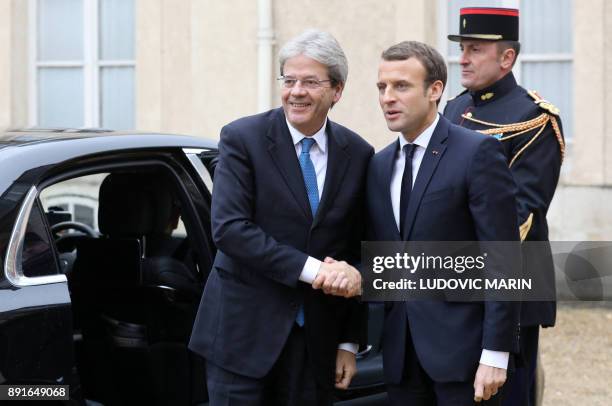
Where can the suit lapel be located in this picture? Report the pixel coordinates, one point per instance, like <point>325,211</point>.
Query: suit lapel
<point>434,152</point>
<point>388,156</point>
<point>282,152</point>
<point>338,160</point>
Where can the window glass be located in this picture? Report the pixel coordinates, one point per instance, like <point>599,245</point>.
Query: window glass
<point>60,97</point>
<point>116,29</point>
<point>117,98</point>
<point>548,35</point>
<point>60,30</point>
<point>78,196</point>
<point>37,257</point>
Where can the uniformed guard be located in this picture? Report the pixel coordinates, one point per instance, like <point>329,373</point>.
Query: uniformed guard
<point>530,131</point>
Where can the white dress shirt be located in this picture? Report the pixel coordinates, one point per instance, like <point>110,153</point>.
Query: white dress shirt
<point>498,359</point>
<point>318,156</point>
<point>422,141</point>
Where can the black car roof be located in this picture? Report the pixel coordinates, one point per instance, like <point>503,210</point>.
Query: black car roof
<point>20,137</point>
<point>22,150</point>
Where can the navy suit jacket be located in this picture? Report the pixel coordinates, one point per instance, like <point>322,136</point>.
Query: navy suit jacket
<point>264,231</point>
<point>463,192</point>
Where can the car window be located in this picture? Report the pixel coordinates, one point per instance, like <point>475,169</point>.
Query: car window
<point>38,257</point>
<point>76,199</point>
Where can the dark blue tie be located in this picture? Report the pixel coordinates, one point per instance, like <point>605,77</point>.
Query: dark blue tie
<point>406,185</point>
<point>312,190</point>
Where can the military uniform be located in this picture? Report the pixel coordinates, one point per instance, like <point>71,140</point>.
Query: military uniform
<point>529,129</point>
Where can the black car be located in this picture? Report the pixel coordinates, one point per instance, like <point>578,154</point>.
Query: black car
<point>105,248</point>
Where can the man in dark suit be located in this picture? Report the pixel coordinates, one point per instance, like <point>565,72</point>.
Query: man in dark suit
<point>439,182</point>
<point>529,129</point>
<point>274,324</point>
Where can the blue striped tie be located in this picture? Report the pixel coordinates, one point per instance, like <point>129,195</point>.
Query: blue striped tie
<point>310,176</point>
<point>310,180</point>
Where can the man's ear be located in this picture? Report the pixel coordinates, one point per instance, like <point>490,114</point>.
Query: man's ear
<point>436,89</point>
<point>338,92</point>
<point>507,58</point>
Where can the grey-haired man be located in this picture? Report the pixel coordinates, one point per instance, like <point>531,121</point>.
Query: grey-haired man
<point>276,324</point>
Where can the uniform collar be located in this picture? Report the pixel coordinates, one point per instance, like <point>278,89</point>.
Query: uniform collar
<point>495,91</point>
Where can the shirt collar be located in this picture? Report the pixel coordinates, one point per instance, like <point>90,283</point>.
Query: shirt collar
<point>423,139</point>
<point>495,91</point>
<point>319,137</point>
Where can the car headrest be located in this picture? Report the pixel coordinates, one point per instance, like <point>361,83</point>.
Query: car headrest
<point>134,205</point>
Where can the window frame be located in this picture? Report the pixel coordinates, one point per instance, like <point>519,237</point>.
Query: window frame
<point>91,64</point>
<point>13,262</point>
<point>37,206</point>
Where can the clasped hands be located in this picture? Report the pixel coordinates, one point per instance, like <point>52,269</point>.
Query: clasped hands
<point>338,278</point>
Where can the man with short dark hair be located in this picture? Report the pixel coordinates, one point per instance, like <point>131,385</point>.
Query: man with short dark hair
<point>529,129</point>
<point>275,325</point>
<point>439,182</point>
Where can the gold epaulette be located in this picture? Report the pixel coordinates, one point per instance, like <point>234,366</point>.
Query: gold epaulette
<point>505,132</point>
<point>543,104</point>
<point>554,110</point>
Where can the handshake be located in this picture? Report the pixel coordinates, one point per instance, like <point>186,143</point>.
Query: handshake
<point>338,278</point>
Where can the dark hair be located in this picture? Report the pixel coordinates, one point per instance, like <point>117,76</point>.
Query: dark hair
<point>515,45</point>
<point>432,61</point>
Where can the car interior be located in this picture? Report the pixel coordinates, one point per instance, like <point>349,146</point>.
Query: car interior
<point>135,277</point>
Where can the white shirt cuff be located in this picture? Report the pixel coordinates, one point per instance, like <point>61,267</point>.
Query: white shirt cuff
<point>497,359</point>
<point>350,347</point>
<point>310,270</point>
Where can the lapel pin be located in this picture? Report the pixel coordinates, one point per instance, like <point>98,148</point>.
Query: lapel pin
<point>434,152</point>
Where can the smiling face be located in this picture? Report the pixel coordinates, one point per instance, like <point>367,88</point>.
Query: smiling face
<point>306,109</point>
<point>481,64</point>
<point>408,105</point>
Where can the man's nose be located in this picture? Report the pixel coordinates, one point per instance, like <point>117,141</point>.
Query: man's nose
<point>387,96</point>
<point>463,58</point>
<point>298,89</point>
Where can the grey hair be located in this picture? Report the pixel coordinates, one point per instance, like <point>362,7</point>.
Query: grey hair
<point>320,46</point>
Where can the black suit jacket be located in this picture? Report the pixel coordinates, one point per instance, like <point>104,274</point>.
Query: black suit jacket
<point>535,171</point>
<point>463,192</point>
<point>264,231</point>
